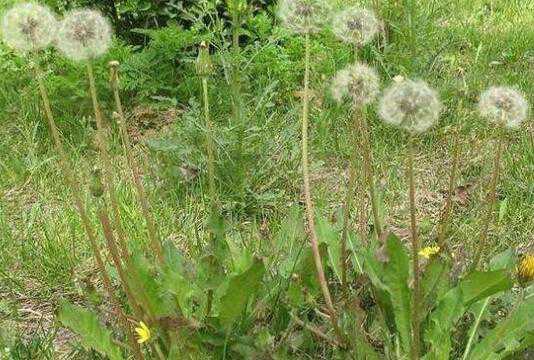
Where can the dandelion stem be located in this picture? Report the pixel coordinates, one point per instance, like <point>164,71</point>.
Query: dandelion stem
<point>153,232</point>
<point>314,241</point>
<point>104,154</point>
<point>369,174</point>
<point>115,257</point>
<point>110,240</point>
<point>209,144</point>
<point>78,202</point>
<point>490,202</point>
<point>237,102</point>
<point>415,254</point>
<point>445,221</point>
<point>351,186</point>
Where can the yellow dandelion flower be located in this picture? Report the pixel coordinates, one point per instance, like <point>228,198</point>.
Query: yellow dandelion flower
<point>525,270</point>
<point>428,251</point>
<point>143,333</point>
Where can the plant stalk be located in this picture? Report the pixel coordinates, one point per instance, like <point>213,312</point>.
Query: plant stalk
<point>112,246</point>
<point>78,202</point>
<point>491,200</point>
<point>445,221</point>
<point>475,328</point>
<point>351,185</point>
<point>153,233</point>
<point>237,102</point>
<point>370,176</point>
<point>209,145</point>
<point>416,298</point>
<point>104,154</point>
<point>314,241</point>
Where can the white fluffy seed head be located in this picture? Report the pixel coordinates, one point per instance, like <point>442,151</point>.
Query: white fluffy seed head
<point>355,26</point>
<point>504,106</point>
<point>357,82</point>
<point>410,105</point>
<point>28,27</point>
<point>84,34</point>
<point>304,16</point>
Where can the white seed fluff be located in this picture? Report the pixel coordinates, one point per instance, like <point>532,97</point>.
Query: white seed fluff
<point>504,106</point>
<point>357,82</point>
<point>304,16</point>
<point>410,105</point>
<point>84,34</point>
<point>29,27</point>
<point>355,26</point>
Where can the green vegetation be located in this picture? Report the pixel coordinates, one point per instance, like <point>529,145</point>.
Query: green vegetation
<point>205,158</point>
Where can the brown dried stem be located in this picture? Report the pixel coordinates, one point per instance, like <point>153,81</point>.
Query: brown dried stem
<point>153,232</point>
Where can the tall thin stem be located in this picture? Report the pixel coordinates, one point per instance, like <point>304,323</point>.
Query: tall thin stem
<point>237,101</point>
<point>153,233</point>
<point>415,254</point>
<point>369,175</point>
<point>80,206</point>
<point>351,185</point>
<point>209,144</point>
<point>108,235</point>
<point>445,221</point>
<point>314,240</point>
<point>102,144</point>
<point>491,200</point>
<point>110,240</point>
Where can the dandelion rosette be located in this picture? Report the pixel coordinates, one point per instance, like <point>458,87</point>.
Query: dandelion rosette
<point>304,16</point>
<point>357,82</point>
<point>504,106</point>
<point>29,27</point>
<point>410,105</point>
<point>84,35</point>
<point>355,26</point>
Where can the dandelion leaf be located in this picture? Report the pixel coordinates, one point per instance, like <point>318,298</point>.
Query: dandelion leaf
<point>92,334</point>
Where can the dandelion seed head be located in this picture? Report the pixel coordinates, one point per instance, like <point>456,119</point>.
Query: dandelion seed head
<point>355,26</point>
<point>84,34</point>
<point>304,16</point>
<point>28,27</point>
<point>357,82</point>
<point>504,106</point>
<point>410,105</point>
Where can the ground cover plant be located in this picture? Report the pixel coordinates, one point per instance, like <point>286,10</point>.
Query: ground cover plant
<point>280,180</point>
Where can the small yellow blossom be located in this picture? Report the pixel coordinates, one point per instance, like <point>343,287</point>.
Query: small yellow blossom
<point>143,333</point>
<point>525,270</point>
<point>428,251</point>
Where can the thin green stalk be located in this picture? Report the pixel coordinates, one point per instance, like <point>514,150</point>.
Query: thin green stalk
<point>237,101</point>
<point>369,175</point>
<point>351,185</point>
<point>314,240</point>
<point>209,144</point>
<point>114,252</point>
<point>445,221</point>
<point>102,144</point>
<point>475,328</point>
<point>79,204</point>
<point>416,298</point>
<point>491,200</point>
<point>153,233</point>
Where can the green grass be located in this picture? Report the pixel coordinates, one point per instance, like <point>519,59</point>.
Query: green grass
<point>461,47</point>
